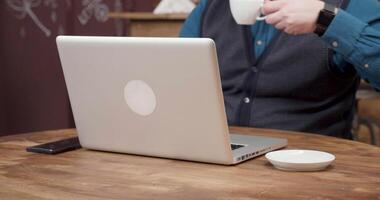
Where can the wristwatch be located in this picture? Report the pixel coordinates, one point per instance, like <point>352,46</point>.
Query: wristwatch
<point>326,15</point>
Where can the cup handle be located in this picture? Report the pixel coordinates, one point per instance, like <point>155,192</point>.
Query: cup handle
<point>261,18</point>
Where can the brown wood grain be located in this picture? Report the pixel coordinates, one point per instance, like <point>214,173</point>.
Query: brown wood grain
<point>147,16</point>
<point>155,28</point>
<point>86,174</point>
<point>147,24</point>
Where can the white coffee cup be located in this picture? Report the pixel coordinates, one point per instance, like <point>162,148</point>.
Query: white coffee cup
<point>246,12</point>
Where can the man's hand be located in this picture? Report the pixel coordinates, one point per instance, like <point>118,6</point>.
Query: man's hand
<point>293,16</point>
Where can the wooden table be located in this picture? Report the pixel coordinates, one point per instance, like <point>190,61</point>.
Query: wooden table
<point>144,24</point>
<point>86,174</point>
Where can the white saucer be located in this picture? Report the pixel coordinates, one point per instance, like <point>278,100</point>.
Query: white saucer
<point>300,160</point>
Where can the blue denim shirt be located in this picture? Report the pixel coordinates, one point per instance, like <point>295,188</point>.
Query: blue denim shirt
<point>354,31</point>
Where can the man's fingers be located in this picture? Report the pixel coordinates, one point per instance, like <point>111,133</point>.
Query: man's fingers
<point>280,26</point>
<point>272,6</point>
<point>290,31</point>
<point>274,18</point>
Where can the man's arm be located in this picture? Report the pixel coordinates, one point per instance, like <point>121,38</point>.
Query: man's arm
<point>358,41</point>
<point>192,25</point>
<point>359,44</point>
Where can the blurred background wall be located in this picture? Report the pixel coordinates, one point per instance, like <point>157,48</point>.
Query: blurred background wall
<point>33,94</point>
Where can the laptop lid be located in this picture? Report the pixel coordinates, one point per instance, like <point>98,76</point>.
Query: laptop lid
<point>148,96</point>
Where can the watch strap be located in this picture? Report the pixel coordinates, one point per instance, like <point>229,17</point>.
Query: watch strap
<point>326,15</point>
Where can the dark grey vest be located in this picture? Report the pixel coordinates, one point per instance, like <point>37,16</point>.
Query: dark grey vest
<point>292,86</point>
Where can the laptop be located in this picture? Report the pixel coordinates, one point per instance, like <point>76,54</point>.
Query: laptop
<point>159,97</point>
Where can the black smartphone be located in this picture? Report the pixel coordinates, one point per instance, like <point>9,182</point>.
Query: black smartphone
<point>56,147</point>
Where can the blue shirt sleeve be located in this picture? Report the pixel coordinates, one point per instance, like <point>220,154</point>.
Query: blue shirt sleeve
<point>192,25</point>
<point>357,41</point>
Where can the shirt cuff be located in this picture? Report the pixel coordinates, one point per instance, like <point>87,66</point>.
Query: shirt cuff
<point>343,33</point>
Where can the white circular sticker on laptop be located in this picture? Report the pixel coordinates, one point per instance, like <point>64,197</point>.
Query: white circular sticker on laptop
<point>140,97</point>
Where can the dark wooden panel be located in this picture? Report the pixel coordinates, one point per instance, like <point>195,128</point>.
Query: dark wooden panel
<point>32,90</point>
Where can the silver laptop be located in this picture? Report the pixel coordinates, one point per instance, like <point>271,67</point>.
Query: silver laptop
<point>158,97</point>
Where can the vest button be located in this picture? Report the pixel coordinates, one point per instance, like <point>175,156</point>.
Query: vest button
<point>335,44</point>
<point>246,100</point>
<point>259,42</point>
